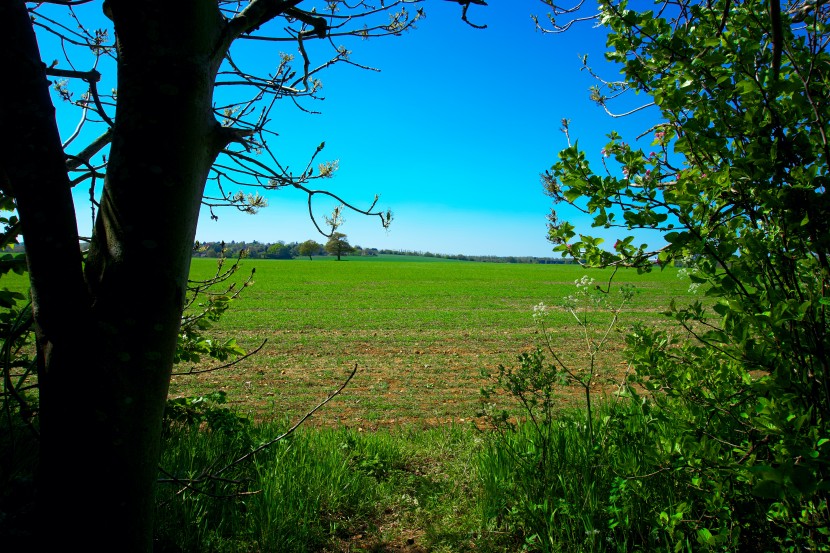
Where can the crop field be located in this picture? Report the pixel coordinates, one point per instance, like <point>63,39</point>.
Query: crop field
<point>419,331</point>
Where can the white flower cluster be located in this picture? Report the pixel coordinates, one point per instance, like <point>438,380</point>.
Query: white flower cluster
<point>584,282</point>
<point>686,273</point>
<point>540,311</point>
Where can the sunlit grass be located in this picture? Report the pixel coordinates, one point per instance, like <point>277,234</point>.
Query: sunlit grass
<point>396,462</point>
<point>321,490</point>
<point>420,333</point>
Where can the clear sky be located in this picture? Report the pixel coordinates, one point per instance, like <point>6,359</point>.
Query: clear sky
<point>453,133</point>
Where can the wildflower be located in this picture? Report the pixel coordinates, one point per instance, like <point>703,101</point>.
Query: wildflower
<point>659,135</point>
<point>539,311</point>
<point>604,152</point>
<point>584,282</point>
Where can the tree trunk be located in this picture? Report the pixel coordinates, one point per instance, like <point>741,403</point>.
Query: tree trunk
<point>33,167</point>
<point>106,346</point>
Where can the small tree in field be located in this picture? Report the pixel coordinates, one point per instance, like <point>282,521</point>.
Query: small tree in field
<point>735,182</point>
<point>279,251</point>
<point>309,248</point>
<point>338,245</point>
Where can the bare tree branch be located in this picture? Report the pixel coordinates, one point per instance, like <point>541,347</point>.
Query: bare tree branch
<point>226,365</point>
<point>291,430</point>
<point>83,157</point>
<point>253,17</point>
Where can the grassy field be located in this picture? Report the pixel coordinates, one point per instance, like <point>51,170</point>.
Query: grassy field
<point>419,332</point>
<point>393,463</point>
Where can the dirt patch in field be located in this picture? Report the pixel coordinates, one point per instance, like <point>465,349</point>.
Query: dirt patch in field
<point>423,378</point>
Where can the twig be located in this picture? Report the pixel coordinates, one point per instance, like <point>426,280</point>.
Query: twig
<point>285,434</point>
<point>226,365</point>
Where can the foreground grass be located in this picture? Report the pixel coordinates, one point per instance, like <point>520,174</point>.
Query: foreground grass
<point>395,463</point>
<point>322,489</point>
<point>544,485</point>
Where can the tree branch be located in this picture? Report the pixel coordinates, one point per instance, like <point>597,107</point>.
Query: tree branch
<point>291,430</point>
<point>318,23</point>
<point>91,77</point>
<point>224,366</point>
<point>83,157</point>
<point>252,18</point>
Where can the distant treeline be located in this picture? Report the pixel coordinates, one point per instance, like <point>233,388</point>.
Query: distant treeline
<point>267,250</point>
<point>290,250</point>
<point>483,258</point>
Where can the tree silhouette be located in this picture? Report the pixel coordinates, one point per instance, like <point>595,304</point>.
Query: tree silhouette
<point>183,113</point>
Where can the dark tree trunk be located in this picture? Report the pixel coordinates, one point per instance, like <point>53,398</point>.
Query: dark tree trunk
<point>33,167</point>
<point>107,335</point>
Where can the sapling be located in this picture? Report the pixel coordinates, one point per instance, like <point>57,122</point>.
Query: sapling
<point>585,306</point>
<point>534,383</point>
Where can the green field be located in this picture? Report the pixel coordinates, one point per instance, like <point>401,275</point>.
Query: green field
<point>419,332</point>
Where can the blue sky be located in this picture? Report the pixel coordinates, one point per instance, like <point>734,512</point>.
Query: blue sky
<point>453,133</point>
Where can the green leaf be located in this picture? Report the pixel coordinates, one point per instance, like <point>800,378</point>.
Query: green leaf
<point>768,489</point>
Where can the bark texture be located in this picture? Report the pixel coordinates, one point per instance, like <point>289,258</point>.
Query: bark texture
<point>107,331</point>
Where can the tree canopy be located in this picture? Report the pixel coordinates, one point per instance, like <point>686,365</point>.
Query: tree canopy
<point>338,245</point>
<point>309,248</point>
<point>734,184</point>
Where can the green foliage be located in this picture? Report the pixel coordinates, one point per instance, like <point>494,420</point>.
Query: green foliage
<point>553,490</point>
<point>204,410</point>
<point>279,251</point>
<point>736,185</point>
<point>208,301</point>
<point>309,248</point>
<point>338,245</point>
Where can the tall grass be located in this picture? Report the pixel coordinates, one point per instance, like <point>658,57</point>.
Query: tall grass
<point>321,489</point>
<point>291,497</point>
<point>578,495</point>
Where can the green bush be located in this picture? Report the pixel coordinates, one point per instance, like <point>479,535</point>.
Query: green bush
<point>735,184</point>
